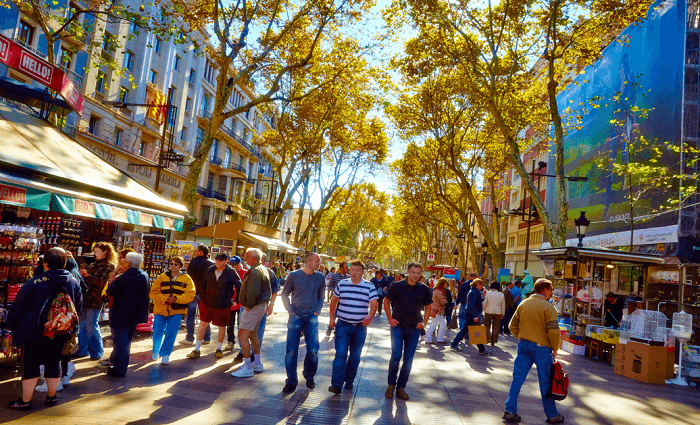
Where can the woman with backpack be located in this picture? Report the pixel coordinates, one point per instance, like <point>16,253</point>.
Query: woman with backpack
<point>171,293</point>
<point>96,277</point>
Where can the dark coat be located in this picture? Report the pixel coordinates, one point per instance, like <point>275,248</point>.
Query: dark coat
<point>219,293</point>
<point>23,318</point>
<point>98,276</point>
<point>196,269</point>
<point>475,302</point>
<point>130,291</point>
<point>72,267</point>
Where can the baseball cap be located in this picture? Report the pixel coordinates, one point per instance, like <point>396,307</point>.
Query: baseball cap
<point>221,256</point>
<point>235,259</point>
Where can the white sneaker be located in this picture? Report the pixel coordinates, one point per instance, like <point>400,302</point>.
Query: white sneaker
<point>71,369</point>
<point>43,388</point>
<point>186,342</point>
<point>65,381</point>
<point>165,360</point>
<point>155,356</point>
<point>243,372</point>
<point>258,367</point>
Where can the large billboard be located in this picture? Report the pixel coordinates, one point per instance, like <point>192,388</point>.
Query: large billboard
<point>647,73</point>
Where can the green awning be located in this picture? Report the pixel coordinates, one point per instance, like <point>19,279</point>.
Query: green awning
<point>24,196</point>
<point>74,206</point>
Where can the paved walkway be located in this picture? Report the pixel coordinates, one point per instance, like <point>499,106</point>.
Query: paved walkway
<point>445,388</point>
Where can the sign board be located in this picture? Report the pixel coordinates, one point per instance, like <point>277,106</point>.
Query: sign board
<point>431,257</point>
<point>452,274</point>
<point>503,275</point>
<point>26,62</point>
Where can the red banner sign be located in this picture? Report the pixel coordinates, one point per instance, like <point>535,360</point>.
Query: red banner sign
<point>14,195</point>
<point>21,59</point>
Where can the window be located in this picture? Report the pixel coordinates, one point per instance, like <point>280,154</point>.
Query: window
<point>25,33</point>
<point>152,77</point>
<point>65,58</point>
<point>205,105</point>
<point>521,240</point>
<point>129,60</point>
<point>511,242</point>
<point>188,103</point>
<point>200,136</point>
<point>100,82</point>
<point>214,151</point>
<point>123,94</point>
<point>94,125</point>
<point>183,134</point>
<point>107,42</point>
<point>118,136</point>
<point>156,46</point>
<point>204,217</point>
<point>227,158</point>
<point>210,181</point>
<point>193,74</point>
<point>176,65</point>
<point>134,28</point>
<point>223,182</point>
<point>142,148</point>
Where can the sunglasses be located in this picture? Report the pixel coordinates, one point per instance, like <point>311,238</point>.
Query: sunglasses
<point>174,264</point>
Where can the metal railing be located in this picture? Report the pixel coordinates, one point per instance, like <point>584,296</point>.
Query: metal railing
<point>211,193</point>
<point>256,152</point>
<point>75,78</point>
<point>237,167</point>
<point>69,130</point>
<point>216,161</point>
<point>250,180</point>
<point>98,96</point>
<point>30,48</point>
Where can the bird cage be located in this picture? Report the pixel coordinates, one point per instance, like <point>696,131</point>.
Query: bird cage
<point>646,324</point>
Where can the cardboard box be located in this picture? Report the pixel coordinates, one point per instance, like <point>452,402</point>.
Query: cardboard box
<point>646,363</point>
<point>620,359</point>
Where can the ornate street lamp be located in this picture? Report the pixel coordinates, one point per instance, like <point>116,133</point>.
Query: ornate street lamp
<point>228,214</point>
<point>581,226</point>
<point>455,255</point>
<point>288,233</point>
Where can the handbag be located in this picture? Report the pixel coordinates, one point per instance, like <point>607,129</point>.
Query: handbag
<point>454,322</point>
<point>559,384</point>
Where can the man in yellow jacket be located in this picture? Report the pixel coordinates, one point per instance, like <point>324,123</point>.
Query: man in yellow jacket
<point>536,325</point>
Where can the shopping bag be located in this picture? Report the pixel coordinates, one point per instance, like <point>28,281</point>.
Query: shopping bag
<point>559,385</point>
<point>477,334</point>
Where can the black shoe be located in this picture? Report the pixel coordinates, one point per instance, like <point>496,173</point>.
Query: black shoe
<point>114,374</point>
<point>21,404</point>
<point>556,420</point>
<point>511,417</point>
<point>334,389</point>
<point>289,388</point>
<point>348,385</point>
<point>239,357</point>
<point>51,400</point>
<point>310,384</point>
<point>79,356</point>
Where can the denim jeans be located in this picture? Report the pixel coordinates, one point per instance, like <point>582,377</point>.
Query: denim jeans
<point>462,315</point>
<point>89,337</point>
<point>348,337</point>
<point>231,329</point>
<point>403,343</point>
<point>122,347</point>
<point>506,320</point>
<point>295,327</point>
<point>529,353</point>
<point>163,345</point>
<point>191,312</point>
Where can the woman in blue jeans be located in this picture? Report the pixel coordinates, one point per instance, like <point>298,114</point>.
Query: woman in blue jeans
<point>475,301</point>
<point>96,277</point>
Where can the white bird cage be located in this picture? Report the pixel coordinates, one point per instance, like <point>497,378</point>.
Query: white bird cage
<point>682,325</point>
<point>646,324</point>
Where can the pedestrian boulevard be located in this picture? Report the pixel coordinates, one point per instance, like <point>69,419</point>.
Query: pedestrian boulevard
<point>445,388</point>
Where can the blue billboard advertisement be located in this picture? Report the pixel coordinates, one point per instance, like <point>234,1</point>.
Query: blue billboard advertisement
<point>647,73</point>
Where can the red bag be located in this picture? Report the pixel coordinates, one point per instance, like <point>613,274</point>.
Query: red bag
<point>559,387</point>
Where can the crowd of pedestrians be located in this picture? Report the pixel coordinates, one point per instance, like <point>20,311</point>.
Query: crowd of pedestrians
<point>228,295</point>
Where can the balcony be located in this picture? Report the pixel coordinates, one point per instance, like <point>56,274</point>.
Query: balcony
<point>256,153</point>
<point>69,130</point>
<point>250,180</point>
<point>237,167</point>
<point>205,114</point>
<point>216,161</point>
<point>76,79</point>
<point>211,193</point>
<point>100,97</point>
<point>30,48</point>
<point>258,195</point>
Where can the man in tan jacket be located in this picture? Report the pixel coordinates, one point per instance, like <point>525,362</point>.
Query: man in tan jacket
<point>536,324</point>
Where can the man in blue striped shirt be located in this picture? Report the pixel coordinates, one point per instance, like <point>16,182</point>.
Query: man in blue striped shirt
<point>354,304</point>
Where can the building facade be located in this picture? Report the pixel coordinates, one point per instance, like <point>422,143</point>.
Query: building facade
<point>237,173</point>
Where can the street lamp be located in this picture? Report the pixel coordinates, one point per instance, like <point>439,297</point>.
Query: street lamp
<point>581,226</point>
<point>484,245</point>
<point>455,255</point>
<point>289,234</point>
<point>228,214</point>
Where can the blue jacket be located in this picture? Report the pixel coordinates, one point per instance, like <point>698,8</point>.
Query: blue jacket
<point>130,291</point>
<point>462,292</point>
<point>23,318</point>
<point>474,303</point>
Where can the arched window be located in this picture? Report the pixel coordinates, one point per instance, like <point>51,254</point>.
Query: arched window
<point>227,158</point>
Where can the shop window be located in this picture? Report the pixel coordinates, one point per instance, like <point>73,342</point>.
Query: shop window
<point>152,77</point>
<point>94,125</point>
<point>129,61</point>
<point>25,33</point>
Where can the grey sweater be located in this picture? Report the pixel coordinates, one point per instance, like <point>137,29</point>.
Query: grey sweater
<point>307,291</point>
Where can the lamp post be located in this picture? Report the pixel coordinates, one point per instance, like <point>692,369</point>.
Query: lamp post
<point>289,234</point>
<point>436,248</point>
<point>484,245</point>
<point>581,226</point>
<point>313,237</point>
<point>455,255</point>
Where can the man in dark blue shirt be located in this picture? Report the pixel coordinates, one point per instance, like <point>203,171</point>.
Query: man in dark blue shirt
<point>380,285</point>
<point>461,300</point>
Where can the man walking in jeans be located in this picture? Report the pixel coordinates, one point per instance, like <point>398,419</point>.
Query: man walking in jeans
<point>406,298</point>
<point>307,287</point>
<point>196,269</point>
<point>536,324</point>
<point>354,303</point>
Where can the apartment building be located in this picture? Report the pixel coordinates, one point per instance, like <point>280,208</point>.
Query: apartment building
<point>237,173</point>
